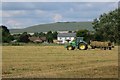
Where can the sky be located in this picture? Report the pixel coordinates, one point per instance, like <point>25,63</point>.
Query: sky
<point>59,0</point>
<point>24,14</point>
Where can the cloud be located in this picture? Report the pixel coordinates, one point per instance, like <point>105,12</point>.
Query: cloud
<point>45,6</point>
<point>57,17</point>
<point>13,13</point>
<point>18,6</point>
<point>11,22</point>
<point>89,5</point>
<point>14,23</point>
<point>24,14</point>
<point>0,13</point>
<point>60,1</point>
<point>57,6</point>
<point>39,12</point>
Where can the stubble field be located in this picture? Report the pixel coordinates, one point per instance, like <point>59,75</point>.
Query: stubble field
<point>57,62</point>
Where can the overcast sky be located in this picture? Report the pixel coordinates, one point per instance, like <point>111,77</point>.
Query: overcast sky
<point>24,14</point>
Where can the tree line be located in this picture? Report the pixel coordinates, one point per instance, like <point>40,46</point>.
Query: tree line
<point>24,37</point>
<point>107,26</point>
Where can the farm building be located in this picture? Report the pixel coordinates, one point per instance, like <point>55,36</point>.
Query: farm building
<point>37,39</point>
<point>64,37</point>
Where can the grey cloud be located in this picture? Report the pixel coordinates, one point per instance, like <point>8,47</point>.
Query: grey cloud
<point>31,13</point>
<point>35,5</point>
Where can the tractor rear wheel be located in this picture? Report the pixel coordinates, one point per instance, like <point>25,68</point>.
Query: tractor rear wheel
<point>82,46</point>
<point>69,48</point>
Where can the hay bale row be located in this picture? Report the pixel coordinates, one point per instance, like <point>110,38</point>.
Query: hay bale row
<point>99,44</point>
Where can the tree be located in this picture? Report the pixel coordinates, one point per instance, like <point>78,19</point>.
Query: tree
<point>6,37</point>
<point>81,33</point>
<point>16,36</point>
<point>41,34</point>
<point>49,36</point>
<point>84,33</point>
<point>69,31</point>
<point>24,38</point>
<point>36,34</point>
<point>106,26</point>
<point>55,35</point>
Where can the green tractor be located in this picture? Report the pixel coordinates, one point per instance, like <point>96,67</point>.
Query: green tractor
<point>78,43</point>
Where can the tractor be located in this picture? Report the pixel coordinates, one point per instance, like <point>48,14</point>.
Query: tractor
<point>78,43</point>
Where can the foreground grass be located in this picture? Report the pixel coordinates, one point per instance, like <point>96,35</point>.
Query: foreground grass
<point>57,62</point>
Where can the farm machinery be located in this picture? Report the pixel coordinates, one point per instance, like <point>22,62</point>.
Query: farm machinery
<point>80,44</point>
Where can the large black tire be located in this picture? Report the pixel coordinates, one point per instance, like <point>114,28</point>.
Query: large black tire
<point>110,48</point>
<point>113,46</point>
<point>105,48</point>
<point>73,48</point>
<point>93,47</point>
<point>69,48</point>
<point>82,46</point>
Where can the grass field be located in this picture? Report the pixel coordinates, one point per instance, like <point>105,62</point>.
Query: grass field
<point>57,62</point>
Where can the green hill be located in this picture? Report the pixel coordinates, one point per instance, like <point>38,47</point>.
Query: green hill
<point>59,26</point>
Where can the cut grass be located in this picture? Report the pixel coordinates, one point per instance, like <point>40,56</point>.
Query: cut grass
<point>57,62</point>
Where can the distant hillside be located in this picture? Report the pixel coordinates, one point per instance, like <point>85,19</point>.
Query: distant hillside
<point>59,26</point>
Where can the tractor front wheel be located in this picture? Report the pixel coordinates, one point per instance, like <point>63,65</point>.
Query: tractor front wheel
<point>69,48</point>
<point>82,46</point>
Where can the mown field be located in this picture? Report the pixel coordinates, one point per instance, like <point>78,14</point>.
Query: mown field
<point>57,62</point>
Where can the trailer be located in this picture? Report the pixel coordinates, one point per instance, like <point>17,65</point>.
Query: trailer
<point>101,44</point>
